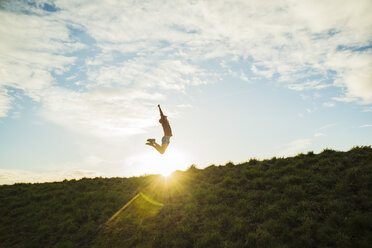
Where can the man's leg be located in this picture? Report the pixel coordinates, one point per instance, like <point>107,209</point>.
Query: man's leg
<point>159,148</point>
<point>150,142</point>
<point>164,143</point>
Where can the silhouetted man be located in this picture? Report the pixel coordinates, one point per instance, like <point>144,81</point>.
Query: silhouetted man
<point>167,134</point>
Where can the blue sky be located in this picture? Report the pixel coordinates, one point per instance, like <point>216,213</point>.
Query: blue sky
<point>80,82</point>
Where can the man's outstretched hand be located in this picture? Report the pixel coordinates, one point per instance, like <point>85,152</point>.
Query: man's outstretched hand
<point>161,112</point>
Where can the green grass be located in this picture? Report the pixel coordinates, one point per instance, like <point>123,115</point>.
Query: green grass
<point>311,200</point>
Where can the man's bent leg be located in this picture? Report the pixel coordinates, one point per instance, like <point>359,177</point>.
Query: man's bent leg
<point>160,148</point>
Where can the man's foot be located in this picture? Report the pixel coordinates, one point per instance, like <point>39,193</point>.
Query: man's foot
<point>150,142</point>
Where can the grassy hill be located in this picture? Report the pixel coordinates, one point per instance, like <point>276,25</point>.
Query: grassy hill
<point>311,200</point>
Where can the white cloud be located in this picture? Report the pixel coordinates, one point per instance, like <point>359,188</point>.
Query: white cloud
<point>262,72</point>
<point>5,103</point>
<point>328,104</point>
<point>366,125</point>
<point>318,134</point>
<point>367,109</point>
<point>308,86</point>
<point>184,106</point>
<point>327,126</point>
<point>304,97</point>
<point>103,112</point>
<point>243,76</point>
<point>355,73</point>
<point>31,48</point>
<point>146,73</point>
<point>345,99</point>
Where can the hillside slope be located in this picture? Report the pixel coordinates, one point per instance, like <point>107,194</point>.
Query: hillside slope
<point>312,200</point>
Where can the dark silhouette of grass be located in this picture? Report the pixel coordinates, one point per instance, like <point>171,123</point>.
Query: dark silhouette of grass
<point>310,200</point>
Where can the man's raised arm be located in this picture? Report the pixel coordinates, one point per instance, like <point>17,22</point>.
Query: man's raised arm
<point>161,112</point>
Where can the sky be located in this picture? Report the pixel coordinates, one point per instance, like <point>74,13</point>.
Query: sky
<point>80,82</point>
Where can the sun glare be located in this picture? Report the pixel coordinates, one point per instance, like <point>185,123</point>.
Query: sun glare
<point>165,164</point>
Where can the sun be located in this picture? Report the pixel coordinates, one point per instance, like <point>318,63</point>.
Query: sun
<point>151,162</point>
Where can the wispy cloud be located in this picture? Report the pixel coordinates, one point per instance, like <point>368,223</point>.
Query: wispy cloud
<point>267,73</point>
<point>5,103</point>
<point>308,86</point>
<point>328,104</point>
<point>365,125</point>
<point>367,109</point>
<point>327,126</point>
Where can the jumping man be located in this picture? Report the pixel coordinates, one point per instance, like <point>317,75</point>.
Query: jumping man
<point>167,134</point>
